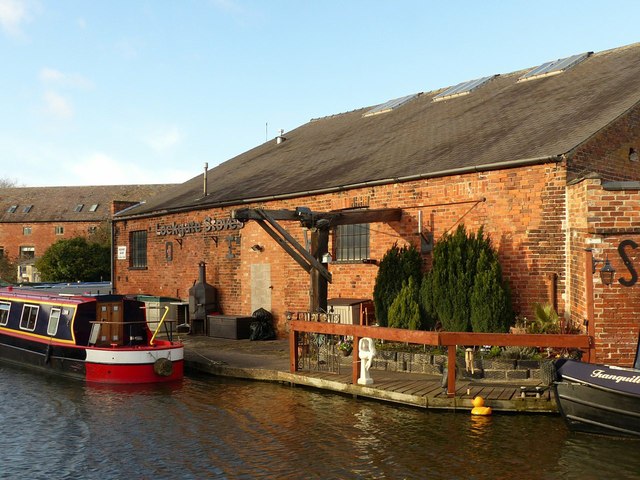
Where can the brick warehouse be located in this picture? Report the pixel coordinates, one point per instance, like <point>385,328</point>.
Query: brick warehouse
<point>545,159</point>
<point>34,218</point>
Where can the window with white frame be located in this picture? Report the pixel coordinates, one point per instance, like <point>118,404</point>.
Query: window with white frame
<point>4,312</point>
<point>59,230</point>
<point>29,317</point>
<point>27,253</point>
<point>26,230</point>
<point>54,320</point>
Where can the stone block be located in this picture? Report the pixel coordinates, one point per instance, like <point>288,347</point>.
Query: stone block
<point>517,374</point>
<point>495,374</point>
<point>422,358</point>
<point>499,364</point>
<point>432,369</point>
<point>387,355</point>
<point>379,364</point>
<point>527,364</point>
<point>439,359</point>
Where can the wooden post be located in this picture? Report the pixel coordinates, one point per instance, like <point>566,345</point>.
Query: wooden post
<point>451,370</point>
<point>319,284</point>
<point>355,371</point>
<point>293,351</point>
<point>591,327</point>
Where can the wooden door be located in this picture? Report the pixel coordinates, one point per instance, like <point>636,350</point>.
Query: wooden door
<point>109,316</point>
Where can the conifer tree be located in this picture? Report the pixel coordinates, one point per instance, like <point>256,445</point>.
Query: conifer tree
<point>397,265</point>
<point>404,312</point>
<point>464,290</point>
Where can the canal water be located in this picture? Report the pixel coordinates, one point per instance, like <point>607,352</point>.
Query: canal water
<point>210,427</point>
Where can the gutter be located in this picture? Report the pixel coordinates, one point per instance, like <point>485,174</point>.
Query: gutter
<point>373,183</point>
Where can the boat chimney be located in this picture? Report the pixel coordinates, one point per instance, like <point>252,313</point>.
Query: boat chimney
<point>206,166</point>
<point>280,138</point>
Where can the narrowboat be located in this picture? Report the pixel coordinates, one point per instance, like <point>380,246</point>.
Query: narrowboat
<point>102,338</point>
<point>599,399</point>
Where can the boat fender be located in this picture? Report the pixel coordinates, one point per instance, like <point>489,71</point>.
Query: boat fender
<point>163,367</point>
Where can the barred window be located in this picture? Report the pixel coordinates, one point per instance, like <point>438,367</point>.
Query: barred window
<point>352,242</point>
<point>138,249</point>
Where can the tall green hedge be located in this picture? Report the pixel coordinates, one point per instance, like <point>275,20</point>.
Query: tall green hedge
<point>464,290</point>
<point>397,266</point>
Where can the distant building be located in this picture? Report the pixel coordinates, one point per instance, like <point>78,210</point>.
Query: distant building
<point>33,218</point>
<point>546,159</point>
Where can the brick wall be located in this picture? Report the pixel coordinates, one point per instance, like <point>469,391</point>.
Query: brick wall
<point>522,211</point>
<point>607,152</point>
<point>42,235</point>
<point>611,218</point>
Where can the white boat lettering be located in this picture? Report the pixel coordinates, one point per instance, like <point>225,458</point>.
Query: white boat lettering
<point>616,378</point>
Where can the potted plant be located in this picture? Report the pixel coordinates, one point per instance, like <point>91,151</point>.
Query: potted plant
<point>345,345</point>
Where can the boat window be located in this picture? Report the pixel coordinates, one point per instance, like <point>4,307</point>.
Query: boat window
<point>29,317</point>
<point>4,312</point>
<point>54,320</point>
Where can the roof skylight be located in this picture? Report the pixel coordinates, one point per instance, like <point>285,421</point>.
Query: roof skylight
<point>555,67</point>
<point>390,105</point>
<point>464,88</point>
<point>12,209</point>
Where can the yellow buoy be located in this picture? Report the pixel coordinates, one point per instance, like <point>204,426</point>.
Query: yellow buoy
<point>479,408</point>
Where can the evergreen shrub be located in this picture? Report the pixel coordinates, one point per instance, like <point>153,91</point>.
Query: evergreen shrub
<point>404,312</point>
<point>464,290</point>
<point>397,265</point>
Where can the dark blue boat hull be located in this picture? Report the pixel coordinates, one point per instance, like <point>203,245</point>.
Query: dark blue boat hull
<point>598,398</point>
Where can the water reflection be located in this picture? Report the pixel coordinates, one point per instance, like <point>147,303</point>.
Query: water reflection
<point>226,429</point>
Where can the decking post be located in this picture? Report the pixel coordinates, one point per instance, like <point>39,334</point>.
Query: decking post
<point>451,370</point>
<point>356,361</point>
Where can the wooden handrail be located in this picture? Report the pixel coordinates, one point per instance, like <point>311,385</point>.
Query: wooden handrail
<point>447,339</point>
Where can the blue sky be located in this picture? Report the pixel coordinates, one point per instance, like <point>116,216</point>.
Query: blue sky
<point>105,92</point>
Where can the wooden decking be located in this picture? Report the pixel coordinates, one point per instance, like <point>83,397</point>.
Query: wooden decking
<point>426,391</point>
<point>268,361</point>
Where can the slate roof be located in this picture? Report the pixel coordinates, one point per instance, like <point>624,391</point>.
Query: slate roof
<point>58,204</point>
<point>501,122</point>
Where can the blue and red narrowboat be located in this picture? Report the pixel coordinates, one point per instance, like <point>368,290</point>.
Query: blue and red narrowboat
<point>102,338</point>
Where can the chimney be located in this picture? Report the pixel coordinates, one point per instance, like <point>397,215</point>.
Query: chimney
<point>206,166</point>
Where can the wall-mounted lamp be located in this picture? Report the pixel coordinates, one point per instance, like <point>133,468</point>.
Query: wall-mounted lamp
<point>607,272</point>
<point>257,248</point>
<point>326,258</point>
<point>288,315</point>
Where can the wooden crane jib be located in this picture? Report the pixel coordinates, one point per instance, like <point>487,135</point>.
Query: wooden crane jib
<point>319,223</point>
